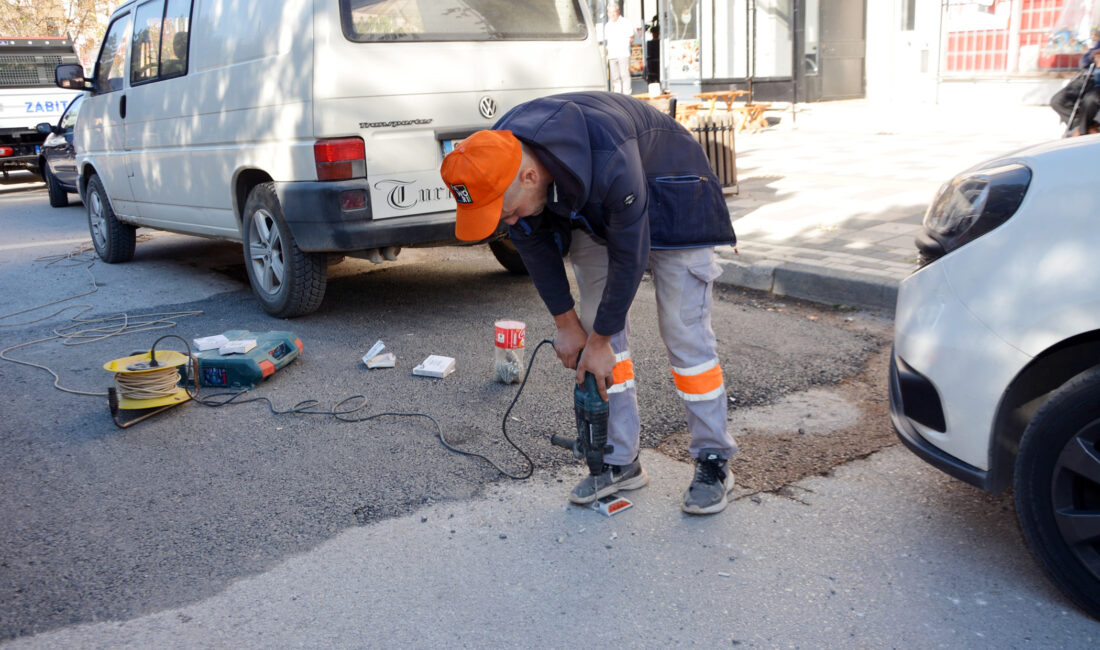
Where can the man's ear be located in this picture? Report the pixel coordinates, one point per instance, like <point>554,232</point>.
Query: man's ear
<point>529,174</point>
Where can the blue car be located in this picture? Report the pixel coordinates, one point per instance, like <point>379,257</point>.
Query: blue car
<point>57,160</point>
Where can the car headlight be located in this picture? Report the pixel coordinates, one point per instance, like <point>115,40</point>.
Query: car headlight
<point>969,206</point>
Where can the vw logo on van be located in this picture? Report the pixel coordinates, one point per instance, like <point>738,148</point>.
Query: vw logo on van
<point>487,106</point>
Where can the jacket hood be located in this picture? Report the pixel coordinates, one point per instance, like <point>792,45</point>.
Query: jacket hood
<point>557,131</point>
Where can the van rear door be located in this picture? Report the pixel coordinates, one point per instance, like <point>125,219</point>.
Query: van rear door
<point>410,76</point>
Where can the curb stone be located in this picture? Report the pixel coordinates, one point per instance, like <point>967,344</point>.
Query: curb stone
<point>818,284</point>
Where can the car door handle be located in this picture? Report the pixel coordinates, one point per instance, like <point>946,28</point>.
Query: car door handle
<point>122,107</point>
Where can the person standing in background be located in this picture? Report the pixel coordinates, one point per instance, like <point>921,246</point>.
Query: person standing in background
<point>653,54</point>
<point>618,35</point>
<point>1079,100</point>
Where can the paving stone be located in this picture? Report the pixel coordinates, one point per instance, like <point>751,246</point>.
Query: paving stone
<point>830,204</point>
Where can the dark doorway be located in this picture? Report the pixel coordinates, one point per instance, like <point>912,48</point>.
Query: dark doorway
<point>843,48</point>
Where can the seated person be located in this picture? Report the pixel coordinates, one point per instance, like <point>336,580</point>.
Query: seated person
<point>1087,87</point>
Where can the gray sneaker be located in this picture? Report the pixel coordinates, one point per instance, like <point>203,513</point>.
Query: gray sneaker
<point>713,481</point>
<point>613,478</point>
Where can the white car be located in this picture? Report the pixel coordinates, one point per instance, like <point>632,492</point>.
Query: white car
<point>996,371</point>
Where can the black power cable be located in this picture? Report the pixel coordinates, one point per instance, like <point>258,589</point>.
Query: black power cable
<point>343,411</point>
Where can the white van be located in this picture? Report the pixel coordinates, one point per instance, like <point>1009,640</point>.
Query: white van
<point>307,129</point>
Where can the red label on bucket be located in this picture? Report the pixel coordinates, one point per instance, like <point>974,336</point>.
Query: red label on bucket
<point>510,334</point>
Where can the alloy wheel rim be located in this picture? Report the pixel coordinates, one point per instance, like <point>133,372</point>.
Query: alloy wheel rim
<point>1075,496</point>
<point>97,220</point>
<point>265,247</point>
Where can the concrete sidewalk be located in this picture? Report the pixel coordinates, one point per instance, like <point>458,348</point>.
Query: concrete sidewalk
<point>833,195</point>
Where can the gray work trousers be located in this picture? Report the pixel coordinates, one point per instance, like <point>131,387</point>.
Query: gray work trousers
<point>683,279</point>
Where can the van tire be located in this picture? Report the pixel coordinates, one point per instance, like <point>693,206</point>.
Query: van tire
<point>114,241</point>
<point>286,281</point>
<point>505,252</point>
<point>59,198</point>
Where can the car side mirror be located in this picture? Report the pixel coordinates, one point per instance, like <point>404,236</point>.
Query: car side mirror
<point>44,128</point>
<point>70,76</point>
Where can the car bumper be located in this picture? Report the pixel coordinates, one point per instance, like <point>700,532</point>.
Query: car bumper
<point>20,162</point>
<point>948,376</point>
<point>319,224</point>
<point>907,432</point>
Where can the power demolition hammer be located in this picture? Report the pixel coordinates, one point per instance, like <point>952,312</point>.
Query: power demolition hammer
<point>591,410</point>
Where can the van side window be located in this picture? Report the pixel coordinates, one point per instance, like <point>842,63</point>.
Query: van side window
<point>111,64</point>
<point>161,36</point>
<point>462,20</point>
<point>145,59</point>
<point>177,33</point>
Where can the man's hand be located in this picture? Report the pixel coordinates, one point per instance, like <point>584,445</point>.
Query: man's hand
<point>570,339</point>
<point>599,359</point>
<point>584,352</point>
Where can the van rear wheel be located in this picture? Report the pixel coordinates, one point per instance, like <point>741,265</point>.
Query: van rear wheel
<point>505,252</point>
<point>114,241</point>
<point>286,281</point>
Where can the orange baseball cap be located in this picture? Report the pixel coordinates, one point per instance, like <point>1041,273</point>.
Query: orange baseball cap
<point>478,171</point>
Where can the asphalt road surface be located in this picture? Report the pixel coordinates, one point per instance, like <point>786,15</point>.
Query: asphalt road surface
<point>107,525</point>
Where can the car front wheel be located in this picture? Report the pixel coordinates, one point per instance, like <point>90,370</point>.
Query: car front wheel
<point>1057,484</point>
<point>114,241</point>
<point>59,198</point>
<point>286,281</point>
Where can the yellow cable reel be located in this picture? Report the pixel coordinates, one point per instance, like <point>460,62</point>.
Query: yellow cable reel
<point>146,382</point>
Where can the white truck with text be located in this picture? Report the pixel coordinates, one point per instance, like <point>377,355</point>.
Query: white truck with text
<point>29,95</point>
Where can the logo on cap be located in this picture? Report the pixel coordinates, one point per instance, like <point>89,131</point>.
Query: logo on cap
<point>462,195</point>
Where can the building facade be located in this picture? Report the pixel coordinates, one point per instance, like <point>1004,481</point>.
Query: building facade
<point>923,51</point>
<point>994,51</point>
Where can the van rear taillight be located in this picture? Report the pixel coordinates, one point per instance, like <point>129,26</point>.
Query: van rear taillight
<point>340,159</point>
<point>6,151</point>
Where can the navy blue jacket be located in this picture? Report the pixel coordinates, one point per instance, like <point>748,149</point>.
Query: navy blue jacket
<point>629,175</point>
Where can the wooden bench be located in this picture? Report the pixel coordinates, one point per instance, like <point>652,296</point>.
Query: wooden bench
<point>660,102</point>
<point>727,97</point>
<point>684,112</point>
<point>750,117</point>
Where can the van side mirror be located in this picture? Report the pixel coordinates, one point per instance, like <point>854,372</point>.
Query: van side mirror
<point>70,76</point>
<point>44,128</point>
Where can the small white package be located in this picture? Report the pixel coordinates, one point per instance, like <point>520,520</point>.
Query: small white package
<point>385,360</point>
<point>204,343</point>
<point>371,358</point>
<point>237,346</point>
<point>435,366</point>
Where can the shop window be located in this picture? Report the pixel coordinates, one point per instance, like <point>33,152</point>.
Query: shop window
<point>743,38</point>
<point>773,38</point>
<point>682,31</point>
